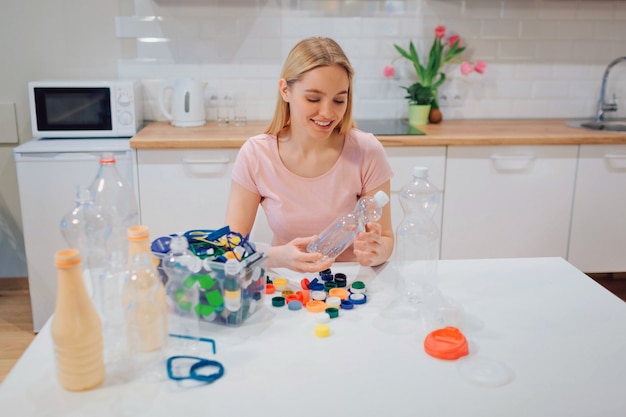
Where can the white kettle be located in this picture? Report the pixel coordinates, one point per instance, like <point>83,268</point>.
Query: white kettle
<point>187,102</point>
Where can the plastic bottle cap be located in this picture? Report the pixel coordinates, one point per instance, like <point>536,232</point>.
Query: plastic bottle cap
<point>322,330</point>
<point>294,305</point>
<point>333,301</point>
<point>332,312</point>
<point>270,289</point>
<point>316,306</point>
<point>232,267</point>
<point>342,293</point>
<point>358,287</point>
<point>138,232</point>
<point>447,343</point>
<point>66,257</point>
<point>381,198</point>
<point>420,172</point>
<point>278,301</point>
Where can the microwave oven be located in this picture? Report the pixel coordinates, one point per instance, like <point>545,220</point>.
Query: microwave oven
<point>85,109</point>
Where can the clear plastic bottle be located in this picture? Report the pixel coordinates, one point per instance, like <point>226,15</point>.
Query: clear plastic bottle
<point>417,239</point>
<point>145,318</point>
<point>86,228</point>
<point>76,327</point>
<point>182,295</point>
<point>115,198</point>
<point>341,233</point>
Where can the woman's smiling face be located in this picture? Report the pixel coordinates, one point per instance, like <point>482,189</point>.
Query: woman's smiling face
<point>318,101</point>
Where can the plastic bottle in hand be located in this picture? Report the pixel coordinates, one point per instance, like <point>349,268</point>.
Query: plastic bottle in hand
<point>342,232</point>
<point>417,239</point>
<point>180,266</point>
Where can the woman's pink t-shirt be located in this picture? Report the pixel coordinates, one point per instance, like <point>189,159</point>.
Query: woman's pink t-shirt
<point>300,207</point>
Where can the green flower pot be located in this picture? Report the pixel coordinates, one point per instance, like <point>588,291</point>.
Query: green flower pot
<point>418,114</point>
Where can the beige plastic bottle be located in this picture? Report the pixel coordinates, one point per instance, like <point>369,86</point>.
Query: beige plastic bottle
<point>139,242</point>
<point>76,327</point>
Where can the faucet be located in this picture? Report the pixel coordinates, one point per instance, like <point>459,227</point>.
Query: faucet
<point>602,106</point>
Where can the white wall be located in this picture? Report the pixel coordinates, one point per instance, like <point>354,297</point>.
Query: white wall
<point>546,57</point>
<point>41,39</point>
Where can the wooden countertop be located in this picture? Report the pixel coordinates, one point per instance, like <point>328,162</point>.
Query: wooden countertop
<point>162,135</point>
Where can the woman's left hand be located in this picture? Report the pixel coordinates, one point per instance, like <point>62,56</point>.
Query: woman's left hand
<point>369,244</point>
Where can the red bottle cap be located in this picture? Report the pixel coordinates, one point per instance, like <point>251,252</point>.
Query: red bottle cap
<point>447,343</point>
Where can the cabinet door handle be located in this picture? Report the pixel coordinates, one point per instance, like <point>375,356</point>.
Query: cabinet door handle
<point>614,156</point>
<point>512,162</point>
<point>221,161</point>
<point>510,157</point>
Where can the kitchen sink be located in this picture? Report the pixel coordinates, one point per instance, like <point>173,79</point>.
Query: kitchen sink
<point>615,125</point>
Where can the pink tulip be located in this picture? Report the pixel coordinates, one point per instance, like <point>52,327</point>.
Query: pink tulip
<point>440,32</point>
<point>480,66</point>
<point>466,68</point>
<point>454,39</point>
<point>389,71</point>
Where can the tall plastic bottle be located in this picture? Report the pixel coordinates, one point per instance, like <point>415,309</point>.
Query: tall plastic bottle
<point>139,242</point>
<point>417,239</point>
<point>341,233</point>
<point>182,293</point>
<point>145,318</point>
<point>86,228</point>
<point>115,198</point>
<point>76,327</point>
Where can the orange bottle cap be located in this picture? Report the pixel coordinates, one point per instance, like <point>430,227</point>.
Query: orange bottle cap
<point>447,343</point>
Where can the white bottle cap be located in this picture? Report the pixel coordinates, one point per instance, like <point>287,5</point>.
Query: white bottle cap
<point>420,172</point>
<point>381,198</point>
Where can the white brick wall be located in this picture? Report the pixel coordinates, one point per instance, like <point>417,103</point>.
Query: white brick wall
<point>546,57</point>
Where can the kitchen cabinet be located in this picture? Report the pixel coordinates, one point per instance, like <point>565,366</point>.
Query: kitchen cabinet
<point>508,201</point>
<point>402,160</point>
<point>184,189</point>
<point>598,231</point>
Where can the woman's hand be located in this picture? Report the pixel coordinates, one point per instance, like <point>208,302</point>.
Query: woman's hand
<point>294,256</point>
<point>368,246</point>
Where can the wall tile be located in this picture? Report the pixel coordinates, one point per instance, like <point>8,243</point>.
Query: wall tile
<point>552,50</point>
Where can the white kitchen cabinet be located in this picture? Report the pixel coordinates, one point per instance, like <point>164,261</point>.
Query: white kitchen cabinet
<point>508,201</point>
<point>184,189</point>
<point>402,160</point>
<point>598,233</point>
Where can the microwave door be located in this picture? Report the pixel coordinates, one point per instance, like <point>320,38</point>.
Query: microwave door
<point>73,112</point>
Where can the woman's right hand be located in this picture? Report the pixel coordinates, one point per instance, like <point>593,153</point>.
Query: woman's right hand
<point>294,256</point>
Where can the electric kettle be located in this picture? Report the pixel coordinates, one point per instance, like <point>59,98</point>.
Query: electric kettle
<point>186,104</point>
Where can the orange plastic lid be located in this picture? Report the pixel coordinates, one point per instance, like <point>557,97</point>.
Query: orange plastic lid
<point>447,343</point>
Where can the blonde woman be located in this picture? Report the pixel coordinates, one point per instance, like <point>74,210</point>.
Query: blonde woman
<point>311,165</point>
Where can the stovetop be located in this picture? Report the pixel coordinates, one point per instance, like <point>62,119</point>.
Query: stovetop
<point>387,127</point>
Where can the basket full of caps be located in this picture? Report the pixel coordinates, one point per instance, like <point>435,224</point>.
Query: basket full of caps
<point>228,271</point>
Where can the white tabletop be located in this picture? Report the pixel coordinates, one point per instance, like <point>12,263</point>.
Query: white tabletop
<point>562,336</point>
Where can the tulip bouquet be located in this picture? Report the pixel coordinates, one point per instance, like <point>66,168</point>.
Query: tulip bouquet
<point>429,72</point>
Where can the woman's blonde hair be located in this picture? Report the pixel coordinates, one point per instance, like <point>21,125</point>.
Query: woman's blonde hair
<point>309,54</point>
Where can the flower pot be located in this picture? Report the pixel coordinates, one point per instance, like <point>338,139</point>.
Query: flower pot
<point>418,114</point>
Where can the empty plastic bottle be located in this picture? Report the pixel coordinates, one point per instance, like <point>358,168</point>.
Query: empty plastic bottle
<point>180,266</point>
<point>145,318</point>
<point>115,198</point>
<point>341,233</point>
<point>417,239</point>
<point>86,228</point>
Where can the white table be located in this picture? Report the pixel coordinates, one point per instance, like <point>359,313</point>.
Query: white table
<point>562,335</point>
